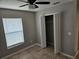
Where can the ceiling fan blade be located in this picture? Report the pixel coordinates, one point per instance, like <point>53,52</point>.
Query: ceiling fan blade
<point>23,5</point>
<point>42,2</point>
<point>23,1</point>
<point>36,6</point>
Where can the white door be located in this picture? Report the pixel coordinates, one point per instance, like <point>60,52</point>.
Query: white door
<point>43,32</point>
<point>57,33</point>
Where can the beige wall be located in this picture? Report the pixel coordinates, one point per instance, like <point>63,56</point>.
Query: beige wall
<point>77,53</point>
<point>29,27</point>
<point>78,30</point>
<point>67,10</point>
<point>78,21</point>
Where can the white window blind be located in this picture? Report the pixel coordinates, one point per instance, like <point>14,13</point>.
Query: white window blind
<point>13,31</point>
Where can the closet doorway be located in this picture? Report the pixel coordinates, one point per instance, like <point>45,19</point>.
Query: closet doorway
<point>49,31</point>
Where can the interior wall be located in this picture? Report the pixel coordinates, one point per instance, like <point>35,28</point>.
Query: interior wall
<point>78,20</point>
<point>78,29</point>
<point>29,27</point>
<point>67,10</point>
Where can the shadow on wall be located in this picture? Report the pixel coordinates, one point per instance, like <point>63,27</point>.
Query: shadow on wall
<point>78,5</point>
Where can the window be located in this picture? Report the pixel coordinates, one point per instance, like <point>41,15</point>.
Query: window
<point>13,31</point>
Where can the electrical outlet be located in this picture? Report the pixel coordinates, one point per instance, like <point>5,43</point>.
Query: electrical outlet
<point>31,41</point>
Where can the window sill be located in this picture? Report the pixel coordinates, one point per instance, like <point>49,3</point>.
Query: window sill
<point>9,47</point>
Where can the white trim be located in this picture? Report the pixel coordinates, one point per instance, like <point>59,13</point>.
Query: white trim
<point>76,55</point>
<point>38,44</point>
<point>56,20</point>
<point>69,56</point>
<point>51,13</point>
<point>57,33</point>
<point>20,50</point>
<point>43,32</point>
<point>55,50</point>
<point>76,34</point>
<point>75,26</point>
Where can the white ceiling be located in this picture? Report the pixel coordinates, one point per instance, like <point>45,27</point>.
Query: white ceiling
<point>14,4</point>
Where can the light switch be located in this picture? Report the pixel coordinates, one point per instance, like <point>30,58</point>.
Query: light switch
<point>69,33</point>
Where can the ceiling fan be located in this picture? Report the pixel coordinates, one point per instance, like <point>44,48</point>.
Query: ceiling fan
<point>33,3</point>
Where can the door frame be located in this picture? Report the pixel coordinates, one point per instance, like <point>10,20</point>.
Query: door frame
<point>57,33</point>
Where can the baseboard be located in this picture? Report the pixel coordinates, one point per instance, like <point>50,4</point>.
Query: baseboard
<point>31,47</point>
<point>20,50</point>
<point>69,56</point>
<point>76,55</point>
<point>38,44</point>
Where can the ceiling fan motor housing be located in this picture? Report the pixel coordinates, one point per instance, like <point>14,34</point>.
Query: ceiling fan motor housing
<point>32,6</point>
<point>31,1</point>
